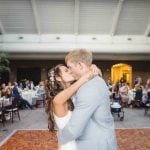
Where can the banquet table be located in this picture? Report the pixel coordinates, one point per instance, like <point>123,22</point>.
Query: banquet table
<point>30,96</point>
<point>132,92</point>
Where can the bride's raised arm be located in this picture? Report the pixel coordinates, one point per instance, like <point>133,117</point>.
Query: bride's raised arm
<point>67,93</point>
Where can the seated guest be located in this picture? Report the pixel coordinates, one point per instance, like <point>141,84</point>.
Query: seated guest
<point>24,103</point>
<point>8,93</point>
<point>31,85</point>
<point>124,94</point>
<point>40,89</point>
<point>20,86</point>
<point>109,84</point>
<point>138,95</point>
<point>115,89</point>
<point>9,96</point>
<point>3,89</point>
<point>9,85</point>
<point>138,80</point>
<point>28,84</point>
<point>147,88</point>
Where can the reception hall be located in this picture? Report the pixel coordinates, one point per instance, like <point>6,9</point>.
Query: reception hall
<point>36,35</point>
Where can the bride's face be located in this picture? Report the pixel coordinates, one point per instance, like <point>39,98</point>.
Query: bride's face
<point>65,74</point>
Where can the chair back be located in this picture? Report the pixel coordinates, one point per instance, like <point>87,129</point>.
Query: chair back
<point>148,96</point>
<point>138,94</point>
<point>15,102</point>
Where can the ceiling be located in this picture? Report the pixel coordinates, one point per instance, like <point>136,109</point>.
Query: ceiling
<point>58,26</point>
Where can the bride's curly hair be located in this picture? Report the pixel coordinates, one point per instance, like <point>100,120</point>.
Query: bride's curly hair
<point>52,88</point>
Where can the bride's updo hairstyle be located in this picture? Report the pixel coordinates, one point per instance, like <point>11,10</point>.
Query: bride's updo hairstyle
<point>53,87</point>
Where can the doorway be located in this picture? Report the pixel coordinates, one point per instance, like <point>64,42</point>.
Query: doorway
<point>121,72</point>
<point>32,74</point>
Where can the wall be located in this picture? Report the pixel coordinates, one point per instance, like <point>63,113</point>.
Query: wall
<point>140,68</point>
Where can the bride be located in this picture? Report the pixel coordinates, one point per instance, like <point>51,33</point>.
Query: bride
<point>59,91</point>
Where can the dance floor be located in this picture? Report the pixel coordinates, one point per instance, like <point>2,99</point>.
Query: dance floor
<point>128,139</point>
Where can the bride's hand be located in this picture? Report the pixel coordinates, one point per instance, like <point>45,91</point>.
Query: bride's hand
<point>91,73</point>
<point>95,70</point>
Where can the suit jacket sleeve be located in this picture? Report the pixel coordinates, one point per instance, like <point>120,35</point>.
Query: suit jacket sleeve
<point>88,99</point>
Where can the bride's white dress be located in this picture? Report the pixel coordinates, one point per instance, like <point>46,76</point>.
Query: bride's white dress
<point>61,122</point>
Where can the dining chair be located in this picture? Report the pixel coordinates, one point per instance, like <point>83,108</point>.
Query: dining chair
<point>147,104</point>
<point>2,112</point>
<point>40,100</point>
<point>137,102</point>
<point>14,109</point>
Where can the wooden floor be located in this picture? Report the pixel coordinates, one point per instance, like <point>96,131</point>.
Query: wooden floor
<point>133,139</point>
<point>31,140</point>
<point>36,120</point>
<point>128,139</point>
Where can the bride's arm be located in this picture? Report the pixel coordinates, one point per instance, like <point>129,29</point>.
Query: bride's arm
<point>67,93</point>
<point>64,95</point>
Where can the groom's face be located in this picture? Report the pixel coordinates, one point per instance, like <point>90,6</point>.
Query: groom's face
<point>75,69</point>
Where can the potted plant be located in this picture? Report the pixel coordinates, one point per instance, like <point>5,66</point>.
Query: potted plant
<point>4,64</point>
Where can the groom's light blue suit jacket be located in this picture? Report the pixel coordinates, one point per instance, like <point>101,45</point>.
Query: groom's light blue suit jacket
<point>91,124</point>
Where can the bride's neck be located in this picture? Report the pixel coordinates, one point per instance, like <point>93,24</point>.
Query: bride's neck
<point>65,85</point>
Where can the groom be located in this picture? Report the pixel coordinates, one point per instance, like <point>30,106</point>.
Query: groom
<point>91,124</point>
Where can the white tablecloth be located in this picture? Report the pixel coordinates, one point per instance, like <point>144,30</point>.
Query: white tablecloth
<point>131,94</point>
<point>30,96</point>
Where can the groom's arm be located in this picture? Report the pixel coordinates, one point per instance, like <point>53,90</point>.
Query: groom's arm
<point>88,99</point>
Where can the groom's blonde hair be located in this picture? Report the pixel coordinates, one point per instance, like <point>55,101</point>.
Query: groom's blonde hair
<point>81,54</point>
